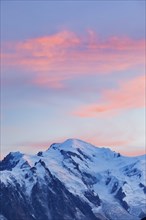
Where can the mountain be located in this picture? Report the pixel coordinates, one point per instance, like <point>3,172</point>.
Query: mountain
<point>73,180</point>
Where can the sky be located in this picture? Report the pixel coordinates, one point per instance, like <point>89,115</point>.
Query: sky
<point>73,69</point>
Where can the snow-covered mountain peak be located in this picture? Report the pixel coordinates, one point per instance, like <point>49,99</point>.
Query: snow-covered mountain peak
<point>72,143</point>
<point>76,145</point>
<point>93,180</point>
<point>14,155</point>
<point>10,160</point>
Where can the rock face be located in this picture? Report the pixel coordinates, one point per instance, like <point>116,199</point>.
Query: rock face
<point>73,181</point>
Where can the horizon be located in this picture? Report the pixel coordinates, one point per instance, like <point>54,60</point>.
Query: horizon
<point>73,69</point>
<point>47,147</point>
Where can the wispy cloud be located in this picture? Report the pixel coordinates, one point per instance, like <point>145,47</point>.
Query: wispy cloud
<point>129,94</point>
<point>66,55</point>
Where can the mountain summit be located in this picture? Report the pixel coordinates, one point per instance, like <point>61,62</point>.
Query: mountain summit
<point>73,180</point>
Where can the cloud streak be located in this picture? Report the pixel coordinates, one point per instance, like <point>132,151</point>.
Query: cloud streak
<point>129,95</point>
<point>66,55</point>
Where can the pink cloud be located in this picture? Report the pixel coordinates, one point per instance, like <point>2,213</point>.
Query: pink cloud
<point>129,94</point>
<point>65,55</point>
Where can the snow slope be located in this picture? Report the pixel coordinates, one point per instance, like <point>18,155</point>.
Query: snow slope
<point>107,184</point>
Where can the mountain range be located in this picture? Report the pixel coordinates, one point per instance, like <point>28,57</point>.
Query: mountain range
<point>73,180</point>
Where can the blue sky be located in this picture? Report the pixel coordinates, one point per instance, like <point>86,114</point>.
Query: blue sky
<point>63,64</point>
